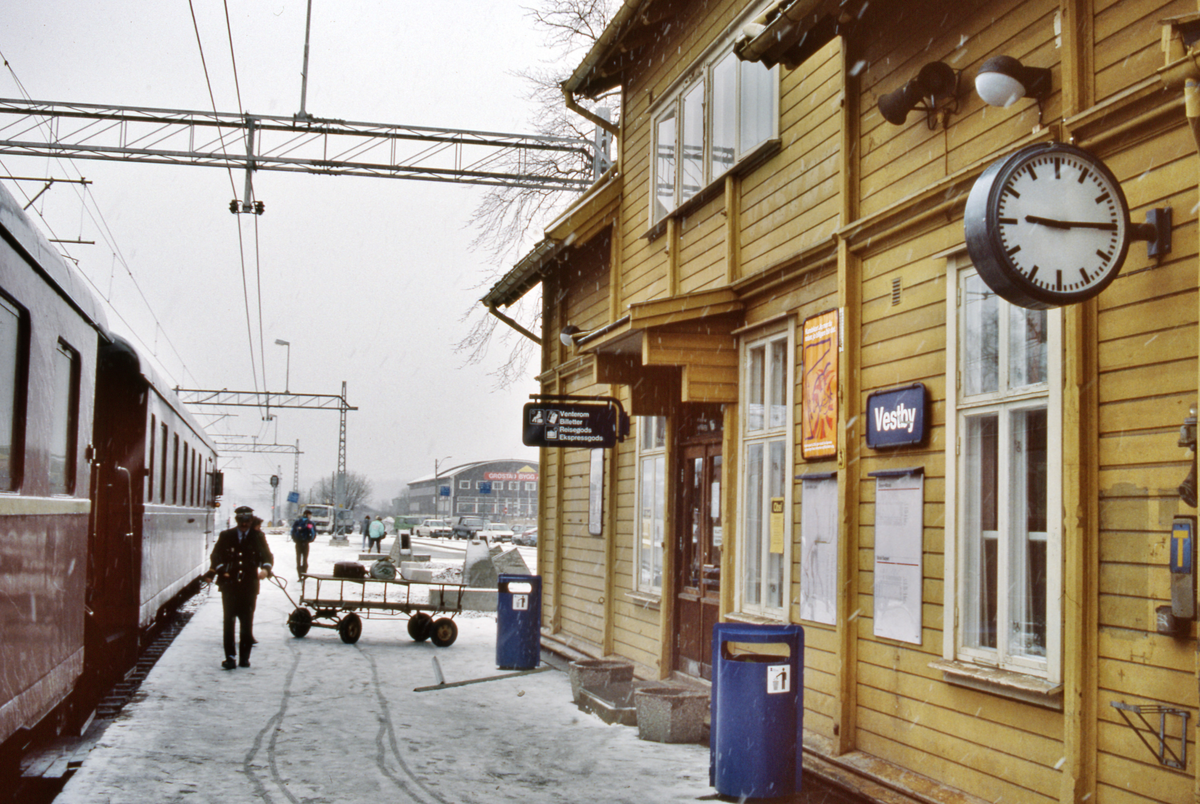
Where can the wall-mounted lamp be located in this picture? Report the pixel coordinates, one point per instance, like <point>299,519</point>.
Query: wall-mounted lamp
<point>934,83</point>
<point>567,332</point>
<point>1002,81</point>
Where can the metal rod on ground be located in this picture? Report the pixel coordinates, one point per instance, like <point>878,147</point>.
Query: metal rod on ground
<point>442,685</point>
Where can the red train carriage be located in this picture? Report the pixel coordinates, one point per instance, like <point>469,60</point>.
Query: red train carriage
<point>106,491</point>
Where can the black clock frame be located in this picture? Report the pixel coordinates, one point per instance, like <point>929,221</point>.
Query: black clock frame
<point>987,251</point>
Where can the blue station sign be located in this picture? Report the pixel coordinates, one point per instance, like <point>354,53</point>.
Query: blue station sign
<point>897,417</point>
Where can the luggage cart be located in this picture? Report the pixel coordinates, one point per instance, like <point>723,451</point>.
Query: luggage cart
<point>327,601</point>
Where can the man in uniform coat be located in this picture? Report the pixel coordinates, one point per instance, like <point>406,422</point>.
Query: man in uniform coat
<point>239,559</point>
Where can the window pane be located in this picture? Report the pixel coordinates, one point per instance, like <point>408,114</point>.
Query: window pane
<point>757,106</point>
<point>724,115</point>
<point>1027,634</point>
<point>756,386</point>
<point>778,481</point>
<point>664,167</point>
<point>10,342</point>
<point>62,433</point>
<point>981,342</point>
<point>693,143</point>
<point>1026,346</point>
<point>778,416</point>
<point>982,569</point>
<point>754,525</point>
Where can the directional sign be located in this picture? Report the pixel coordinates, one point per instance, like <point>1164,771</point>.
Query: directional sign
<point>293,496</point>
<point>558,424</point>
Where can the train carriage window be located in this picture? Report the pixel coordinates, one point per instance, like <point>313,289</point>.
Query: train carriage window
<point>64,419</point>
<point>12,396</point>
<point>175,473</point>
<point>150,467</point>
<point>162,480</point>
<point>183,478</point>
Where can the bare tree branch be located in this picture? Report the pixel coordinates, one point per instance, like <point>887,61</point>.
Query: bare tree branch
<point>510,220</point>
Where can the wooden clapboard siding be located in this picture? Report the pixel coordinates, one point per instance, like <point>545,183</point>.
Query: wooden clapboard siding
<point>702,247</point>
<point>1127,43</point>
<point>803,173</point>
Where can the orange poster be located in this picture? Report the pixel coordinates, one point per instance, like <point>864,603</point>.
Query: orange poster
<point>819,437</point>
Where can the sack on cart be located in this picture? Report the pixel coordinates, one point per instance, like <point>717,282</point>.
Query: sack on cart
<point>349,569</point>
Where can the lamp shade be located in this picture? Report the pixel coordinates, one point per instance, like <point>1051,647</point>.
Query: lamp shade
<point>1002,81</point>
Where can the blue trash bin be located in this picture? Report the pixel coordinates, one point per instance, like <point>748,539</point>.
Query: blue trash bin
<point>519,622</point>
<point>756,735</point>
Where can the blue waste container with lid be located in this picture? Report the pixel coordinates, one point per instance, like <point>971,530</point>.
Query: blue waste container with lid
<point>756,735</point>
<point>519,622</point>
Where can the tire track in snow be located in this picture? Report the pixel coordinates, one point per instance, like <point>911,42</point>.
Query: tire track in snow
<point>272,727</point>
<point>385,742</point>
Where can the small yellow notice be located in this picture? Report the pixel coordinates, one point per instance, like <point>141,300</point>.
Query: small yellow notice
<point>777,525</point>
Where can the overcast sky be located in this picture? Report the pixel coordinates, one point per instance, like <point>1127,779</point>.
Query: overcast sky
<point>367,278</point>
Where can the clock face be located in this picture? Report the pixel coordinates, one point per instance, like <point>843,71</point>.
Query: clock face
<point>1048,226</point>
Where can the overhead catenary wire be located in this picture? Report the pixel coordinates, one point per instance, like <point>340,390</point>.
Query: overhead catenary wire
<point>91,207</point>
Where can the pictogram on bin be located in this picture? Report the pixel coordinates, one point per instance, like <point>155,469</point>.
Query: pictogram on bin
<point>519,622</point>
<point>756,735</point>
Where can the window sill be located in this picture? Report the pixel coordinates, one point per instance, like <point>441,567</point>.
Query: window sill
<point>645,600</point>
<point>1005,683</point>
<point>749,162</point>
<point>753,619</point>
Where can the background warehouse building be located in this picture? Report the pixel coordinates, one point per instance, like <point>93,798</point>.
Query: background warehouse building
<point>503,490</point>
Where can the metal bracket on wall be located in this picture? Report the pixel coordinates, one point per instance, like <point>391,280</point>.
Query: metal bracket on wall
<point>1177,761</point>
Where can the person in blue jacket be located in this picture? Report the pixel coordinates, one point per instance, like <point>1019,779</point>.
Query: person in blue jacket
<point>304,533</point>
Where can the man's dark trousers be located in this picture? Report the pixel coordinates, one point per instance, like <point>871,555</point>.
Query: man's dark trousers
<point>238,601</point>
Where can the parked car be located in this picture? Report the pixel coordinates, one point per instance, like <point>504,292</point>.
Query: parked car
<point>433,529</point>
<point>406,524</point>
<point>466,527</point>
<point>496,532</point>
<point>527,537</point>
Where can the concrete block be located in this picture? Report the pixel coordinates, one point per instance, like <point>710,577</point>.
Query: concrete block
<point>472,599</point>
<point>611,678</point>
<point>670,714</point>
<point>418,573</point>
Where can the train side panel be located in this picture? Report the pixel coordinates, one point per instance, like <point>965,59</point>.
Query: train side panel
<point>177,524</point>
<point>48,348</point>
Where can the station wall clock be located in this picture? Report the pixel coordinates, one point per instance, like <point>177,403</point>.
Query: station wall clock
<point>1047,226</point>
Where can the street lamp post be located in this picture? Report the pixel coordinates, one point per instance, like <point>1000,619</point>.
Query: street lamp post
<point>287,376</point>
<point>437,488</point>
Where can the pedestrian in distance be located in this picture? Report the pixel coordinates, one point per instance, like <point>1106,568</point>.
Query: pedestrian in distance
<point>304,533</point>
<point>240,558</point>
<point>377,531</point>
<point>366,534</point>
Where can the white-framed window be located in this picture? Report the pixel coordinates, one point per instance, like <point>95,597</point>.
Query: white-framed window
<point>464,484</point>
<point>652,504</point>
<point>710,121</point>
<point>766,487</point>
<point>1004,484</point>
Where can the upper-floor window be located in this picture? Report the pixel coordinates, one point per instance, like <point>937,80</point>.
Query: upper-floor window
<point>725,110</point>
<point>64,419</point>
<point>1008,481</point>
<point>11,395</point>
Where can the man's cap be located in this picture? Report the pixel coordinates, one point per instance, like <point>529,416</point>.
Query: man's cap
<point>243,509</point>
<point>307,512</point>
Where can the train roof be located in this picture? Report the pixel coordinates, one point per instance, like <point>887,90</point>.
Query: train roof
<point>18,229</point>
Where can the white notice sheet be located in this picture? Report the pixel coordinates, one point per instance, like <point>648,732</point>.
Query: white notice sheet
<point>899,523</point>
<point>819,543</point>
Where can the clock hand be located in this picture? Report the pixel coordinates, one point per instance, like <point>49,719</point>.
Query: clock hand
<point>1054,224</point>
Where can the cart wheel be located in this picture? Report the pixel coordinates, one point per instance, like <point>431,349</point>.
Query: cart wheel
<point>350,628</point>
<point>444,632</point>
<point>299,622</point>
<point>420,626</point>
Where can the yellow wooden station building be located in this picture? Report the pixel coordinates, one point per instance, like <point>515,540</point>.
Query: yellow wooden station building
<point>902,298</point>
